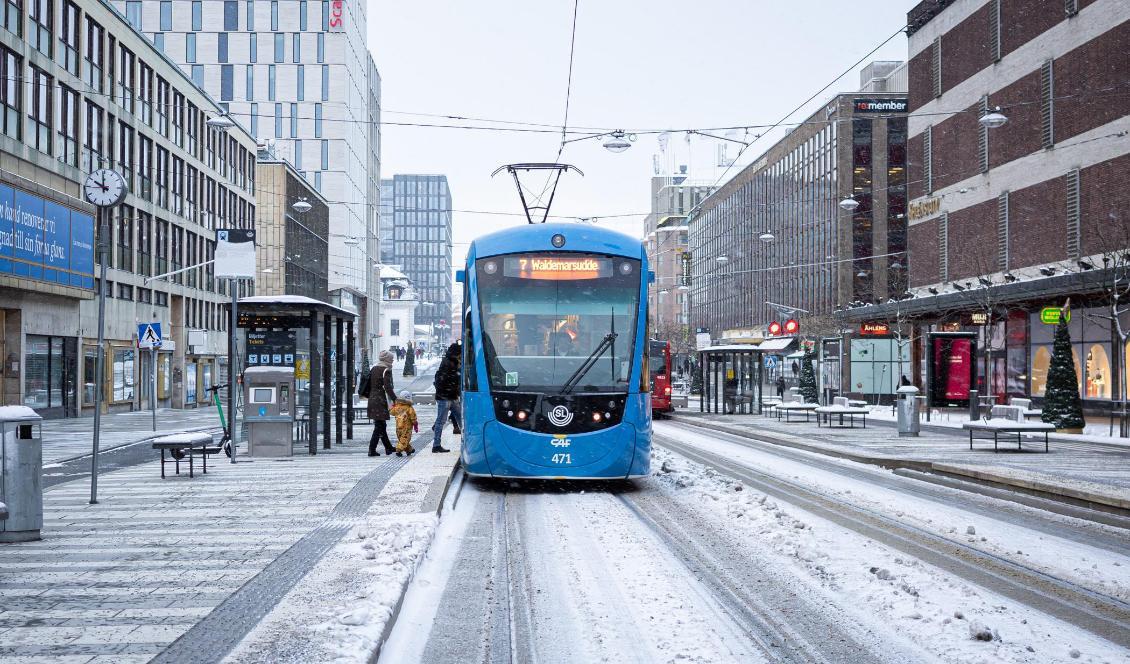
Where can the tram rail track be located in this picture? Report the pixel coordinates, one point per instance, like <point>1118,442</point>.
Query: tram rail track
<point>1095,612</point>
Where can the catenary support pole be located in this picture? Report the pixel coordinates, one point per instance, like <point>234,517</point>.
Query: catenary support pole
<point>351,389</point>
<point>339,378</point>
<point>99,357</point>
<point>326,377</point>
<point>315,381</point>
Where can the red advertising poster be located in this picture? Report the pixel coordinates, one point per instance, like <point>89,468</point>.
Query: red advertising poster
<point>951,366</point>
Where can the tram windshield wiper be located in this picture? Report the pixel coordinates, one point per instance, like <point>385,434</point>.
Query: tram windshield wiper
<point>590,361</point>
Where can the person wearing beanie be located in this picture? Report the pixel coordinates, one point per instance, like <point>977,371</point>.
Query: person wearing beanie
<point>449,390</point>
<point>378,389</point>
<point>406,423</point>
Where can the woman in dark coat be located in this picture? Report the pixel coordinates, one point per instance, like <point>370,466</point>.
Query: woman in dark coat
<point>380,392</point>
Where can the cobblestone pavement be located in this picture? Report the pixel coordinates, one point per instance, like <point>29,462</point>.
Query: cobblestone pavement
<point>121,580</point>
<point>1081,465</point>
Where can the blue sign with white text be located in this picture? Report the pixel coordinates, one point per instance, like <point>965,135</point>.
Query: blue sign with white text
<point>45,241</point>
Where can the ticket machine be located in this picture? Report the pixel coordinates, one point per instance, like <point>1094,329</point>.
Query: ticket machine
<point>269,411</point>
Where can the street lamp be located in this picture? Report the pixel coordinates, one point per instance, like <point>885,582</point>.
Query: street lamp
<point>993,119</point>
<point>849,204</point>
<point>723,259</point>
<point>302,206</point>
<point>618,141</point>
<point>221,122</point>
<point>766,237</point>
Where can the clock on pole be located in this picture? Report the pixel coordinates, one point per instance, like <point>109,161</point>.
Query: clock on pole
<point>105,188</point>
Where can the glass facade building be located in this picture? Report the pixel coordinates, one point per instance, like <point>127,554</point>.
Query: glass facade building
<point>421,242</point>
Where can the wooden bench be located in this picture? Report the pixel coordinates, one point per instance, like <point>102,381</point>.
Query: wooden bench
<point>180,444</point>
<point>1008,421</point>
<point>841,407</point>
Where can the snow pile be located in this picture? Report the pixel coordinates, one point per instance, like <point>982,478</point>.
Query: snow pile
<point>942,613</point>
<point>348,598</point>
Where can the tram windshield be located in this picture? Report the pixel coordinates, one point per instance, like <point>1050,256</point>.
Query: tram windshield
<point>544,316</point>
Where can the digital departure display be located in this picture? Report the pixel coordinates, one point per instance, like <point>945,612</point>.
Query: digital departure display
<point>557,268</point>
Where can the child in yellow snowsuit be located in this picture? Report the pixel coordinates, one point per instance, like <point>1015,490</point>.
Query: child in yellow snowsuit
<point>406,424</point>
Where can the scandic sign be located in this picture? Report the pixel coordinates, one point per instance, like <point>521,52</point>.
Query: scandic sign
<point>337,13</point>
<point>881,105</point>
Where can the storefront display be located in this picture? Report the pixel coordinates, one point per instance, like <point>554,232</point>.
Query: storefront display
<point>122,375</point>
<point>50,374</point>
<point>950,367</point>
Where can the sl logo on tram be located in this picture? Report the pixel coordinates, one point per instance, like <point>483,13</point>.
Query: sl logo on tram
<point>560,416</point>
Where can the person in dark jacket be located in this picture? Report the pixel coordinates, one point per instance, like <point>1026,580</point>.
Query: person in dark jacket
<point>448,393</point>
<point>380,392</point>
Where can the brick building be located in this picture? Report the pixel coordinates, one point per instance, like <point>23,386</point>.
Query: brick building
<point>1008,220</point>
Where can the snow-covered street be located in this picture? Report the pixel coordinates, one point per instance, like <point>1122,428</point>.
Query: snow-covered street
<point>702,562</point>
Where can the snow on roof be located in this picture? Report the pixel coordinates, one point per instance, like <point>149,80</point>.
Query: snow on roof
<point>280,299</point>
<point>389,272</point>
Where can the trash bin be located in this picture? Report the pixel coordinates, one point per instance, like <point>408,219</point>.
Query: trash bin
<point>908,417</point>
<point>21,473</point>
<point>269,411</point>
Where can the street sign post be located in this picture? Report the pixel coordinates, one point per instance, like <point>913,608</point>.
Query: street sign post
<point>149,336</point>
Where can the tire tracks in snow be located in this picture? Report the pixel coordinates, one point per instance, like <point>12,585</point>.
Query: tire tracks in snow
<point>1095,612</point>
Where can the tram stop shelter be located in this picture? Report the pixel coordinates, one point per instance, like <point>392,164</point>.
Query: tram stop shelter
<point>317,339</point>
<point>733,375</point>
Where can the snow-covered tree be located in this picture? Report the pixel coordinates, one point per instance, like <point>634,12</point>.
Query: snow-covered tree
<point>808,388</point>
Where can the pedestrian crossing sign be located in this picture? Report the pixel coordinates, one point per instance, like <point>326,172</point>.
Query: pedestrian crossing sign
<point>148,335</point>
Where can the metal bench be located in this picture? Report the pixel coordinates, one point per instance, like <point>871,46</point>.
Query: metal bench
<point>1026,407</point>
<point>180,444</point>
<point>841,407</point>
<point>1008,421</point>
<point>788,409</point>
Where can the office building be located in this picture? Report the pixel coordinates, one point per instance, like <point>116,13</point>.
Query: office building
<point>292,255</point>
<point>99,95</point>
<point>386,254</point>
<point>422,244</point>
<point>298,75</point>
<point>1017,169</point>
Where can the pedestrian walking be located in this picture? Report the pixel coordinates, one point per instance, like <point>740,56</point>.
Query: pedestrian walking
<point>406,423</point>
<point>448,393</point>
<point>781,387</point>
<point>378,389</point>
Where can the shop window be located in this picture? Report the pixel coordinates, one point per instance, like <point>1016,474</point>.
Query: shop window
<point>48,366</point>
<point>1041,360</point>
<point>123,375</point>
<point>1097,379</point>
<point>89,373</point>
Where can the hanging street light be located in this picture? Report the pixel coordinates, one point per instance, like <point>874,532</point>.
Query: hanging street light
<point>618,141</point>
<point>849,204</point>
<point>302,206</point>
<point>223,122</point>
<point>766,237</point>
<point>351,241</point>
<point>993,119</point>
<point>723,259</point>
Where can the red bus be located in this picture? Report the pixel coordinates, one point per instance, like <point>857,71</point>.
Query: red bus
<point>659,362</point>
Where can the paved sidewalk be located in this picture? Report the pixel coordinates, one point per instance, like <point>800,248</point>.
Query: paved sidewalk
<point>70,438</point>
<point>122,580</point>
<point>1084,470</point>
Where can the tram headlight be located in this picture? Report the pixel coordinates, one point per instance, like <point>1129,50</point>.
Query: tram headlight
<point>522,416</point>
<point>558,240</point>
<point>611,404</point>
<point>490,267</point>
<point>625,268</point>
<point>596,416</point>
<point>667,391</point>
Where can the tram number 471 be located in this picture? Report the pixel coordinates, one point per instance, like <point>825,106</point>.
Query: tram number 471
<point>562,458</point>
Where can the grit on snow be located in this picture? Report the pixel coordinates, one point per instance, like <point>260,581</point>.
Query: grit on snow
<point>956,620</point>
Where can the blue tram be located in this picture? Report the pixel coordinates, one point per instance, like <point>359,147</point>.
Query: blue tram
<point>555,379</point>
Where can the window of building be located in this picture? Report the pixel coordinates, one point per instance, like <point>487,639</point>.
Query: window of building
<point>294,120</point>
<point>394,327</point>
<point>133,13</point>
<point>325,16</point>
<point>41,19</point>
<point>39,130</point>
<point>68,125</point>
<point>159,41</point>
<point>321,47</point>
<point>93,142</point>
<point>166,15</point>
<point>325,82</point>
<point>227,82</point>
<point>250,82</point>
<point>250,15</point>
<point>301,83</point>
<point>278,121</point>
<point>255,120</point>
<point>298,155</point>
<point>190,48</point>
<point>197,15</point>
<point>11,66</point>
<point>49,371</point>
<point>68,38</point>
<point>274,15</point>
<point>13,16</point>
<point>317,120</point>
<point>95,55</point>
<point>1096,380</point>
<point>296,47</point>
<point>222,47</point>
<point>325,155</point>
<point>318,180</point>
<point>280,47</point>
<point>254,47</point>
<point>198,75</point>
<point>270,82</point>
<point>145,93</point>
<point>231,15</point>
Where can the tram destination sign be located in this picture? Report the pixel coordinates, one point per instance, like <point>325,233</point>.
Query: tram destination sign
<point>557,268</point>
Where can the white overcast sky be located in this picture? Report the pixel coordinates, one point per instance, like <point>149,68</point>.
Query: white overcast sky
<point>639,64</point>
